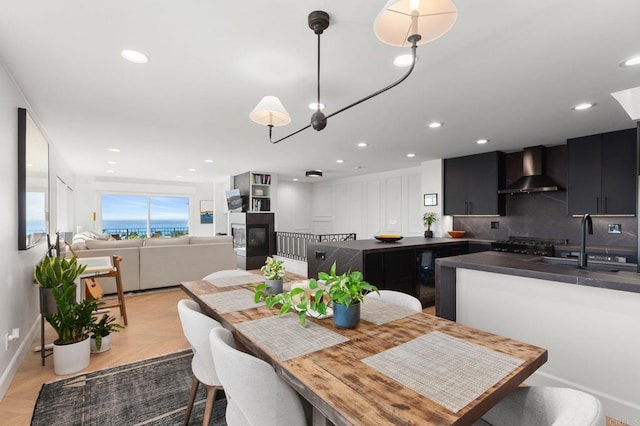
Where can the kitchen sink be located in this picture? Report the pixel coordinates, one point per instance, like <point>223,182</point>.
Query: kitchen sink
<point>593,265</point>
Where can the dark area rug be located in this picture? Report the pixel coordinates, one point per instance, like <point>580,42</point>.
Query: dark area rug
<point>150,392</point>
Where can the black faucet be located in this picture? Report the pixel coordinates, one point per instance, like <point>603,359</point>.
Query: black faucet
<point>585,226</point>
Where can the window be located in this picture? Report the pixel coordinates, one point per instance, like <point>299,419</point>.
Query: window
<point>138,216</point>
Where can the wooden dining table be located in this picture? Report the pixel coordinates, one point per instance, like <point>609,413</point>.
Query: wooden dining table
<point>396,367</point>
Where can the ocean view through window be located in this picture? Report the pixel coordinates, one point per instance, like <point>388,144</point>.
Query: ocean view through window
<point>140,216</point>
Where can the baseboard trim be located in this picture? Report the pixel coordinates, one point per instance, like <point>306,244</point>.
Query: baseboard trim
<point>621,410</point>
<point>294,266</point>
<point>18,358</point>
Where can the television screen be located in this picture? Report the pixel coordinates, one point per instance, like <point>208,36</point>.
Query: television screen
<point>234,200</point>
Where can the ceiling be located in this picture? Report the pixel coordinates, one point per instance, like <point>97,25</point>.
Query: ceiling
<point>509,71</point>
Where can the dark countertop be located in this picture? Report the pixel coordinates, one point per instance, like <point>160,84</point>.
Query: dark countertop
<point>405,243</point>
<point>532,267</point>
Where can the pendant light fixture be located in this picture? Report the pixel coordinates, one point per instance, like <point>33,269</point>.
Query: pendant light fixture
<point>400,23</point>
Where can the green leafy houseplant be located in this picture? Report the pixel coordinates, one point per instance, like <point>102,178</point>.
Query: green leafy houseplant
<point>273,269</point>
<point>103,328</point>
<point>72,321</point>
<point>345,289</point>
<point>429,219</point>
<point>54,271</point>
<point>348,288</point>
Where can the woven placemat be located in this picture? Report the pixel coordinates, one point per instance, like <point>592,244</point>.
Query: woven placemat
<point>379,312</point>
<point>231,301</point>
<point>445,369</point>
<point>237,280</point>
<point>285,338</point>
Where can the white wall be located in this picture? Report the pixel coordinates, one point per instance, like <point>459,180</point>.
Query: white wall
<point>294,207</point>
<point>591,334</point>
<point>89,189</point>
<point>387,202</point>
<point>19,303</point>
<point>432,173</point>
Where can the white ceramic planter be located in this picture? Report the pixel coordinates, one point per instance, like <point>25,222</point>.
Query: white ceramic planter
<point>68,359</point>
<point>106,344</point>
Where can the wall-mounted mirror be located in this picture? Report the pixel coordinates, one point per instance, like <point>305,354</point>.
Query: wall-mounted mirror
<point>33,183</point>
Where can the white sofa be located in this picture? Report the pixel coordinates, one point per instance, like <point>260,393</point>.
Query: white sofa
<point>161,262</point>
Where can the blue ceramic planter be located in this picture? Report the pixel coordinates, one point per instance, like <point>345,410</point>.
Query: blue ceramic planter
<point>346,317</point>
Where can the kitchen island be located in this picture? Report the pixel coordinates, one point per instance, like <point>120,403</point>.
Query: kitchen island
<point>589,320</point>
<point>406,265</point>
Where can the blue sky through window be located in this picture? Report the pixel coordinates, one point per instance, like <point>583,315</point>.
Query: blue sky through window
<point>134,207</point>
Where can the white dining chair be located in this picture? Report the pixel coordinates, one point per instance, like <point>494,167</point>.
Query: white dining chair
<point>397,298</point>
<point>543,405</point>
<point>196,327</point>
<point>227,273</point>
<point>255,394</point>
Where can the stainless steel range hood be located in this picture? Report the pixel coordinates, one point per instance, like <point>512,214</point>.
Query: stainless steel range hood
<point>533,171</point>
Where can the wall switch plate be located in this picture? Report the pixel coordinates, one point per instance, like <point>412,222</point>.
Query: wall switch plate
<point>495,225</point>
<point>614,228</point>
<point>320,255</point>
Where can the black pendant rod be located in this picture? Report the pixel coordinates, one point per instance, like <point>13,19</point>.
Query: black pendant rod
<point>318,78</point>
<point>318,119</point>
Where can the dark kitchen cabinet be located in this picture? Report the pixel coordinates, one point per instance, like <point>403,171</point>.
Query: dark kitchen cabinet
<point>471,184</point>
<point>601,176</point>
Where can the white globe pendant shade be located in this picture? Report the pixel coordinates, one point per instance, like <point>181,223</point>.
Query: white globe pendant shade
<point>401,18</point>
<point>270,112</point>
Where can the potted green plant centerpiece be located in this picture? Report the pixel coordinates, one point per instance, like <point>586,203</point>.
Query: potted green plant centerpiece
<point>346,291</point>
<point>428,219</point>
<point>343,293</point>
<point>101,333</point>
<point>71,321</point>
<point>274,273</point>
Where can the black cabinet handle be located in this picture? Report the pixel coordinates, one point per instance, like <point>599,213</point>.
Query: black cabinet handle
<point>470,207</point>
<point>466,207</point>
<point>597,204</point>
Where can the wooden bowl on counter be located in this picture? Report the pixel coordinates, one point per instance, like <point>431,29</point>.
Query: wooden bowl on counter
<point>456,234</point>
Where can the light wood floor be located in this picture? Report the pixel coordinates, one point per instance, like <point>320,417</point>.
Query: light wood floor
<point>154,329</point>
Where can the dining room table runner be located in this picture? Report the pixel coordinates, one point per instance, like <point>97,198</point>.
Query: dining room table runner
<point>231,301</point>
<point>443,368</point>
<point>285,338</point>
<point>237,280</point>
<point>379,312</point>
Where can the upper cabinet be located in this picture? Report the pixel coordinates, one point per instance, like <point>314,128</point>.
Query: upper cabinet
<point>256,190</point>
<point>471,184</point>
<point>601,178</point>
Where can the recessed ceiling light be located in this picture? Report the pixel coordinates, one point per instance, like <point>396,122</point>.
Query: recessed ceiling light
<point>411,155</point>
<point>482,141</point>
<point>631,62</point>
<point>179,176</point>
<point>111,162</point>
<point>208,161</point>
<point>111,171</point>
<point>114,150</point>
<point>340,161</point>
<point>295,179</point>
<point>191,170</point>
<point>363,144</point>
<point>583,106</point>
<point>314,106</point>
<point>134,56</point>
<point>435,124</point>
<point>403,61</point>
<point>313,173</point>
